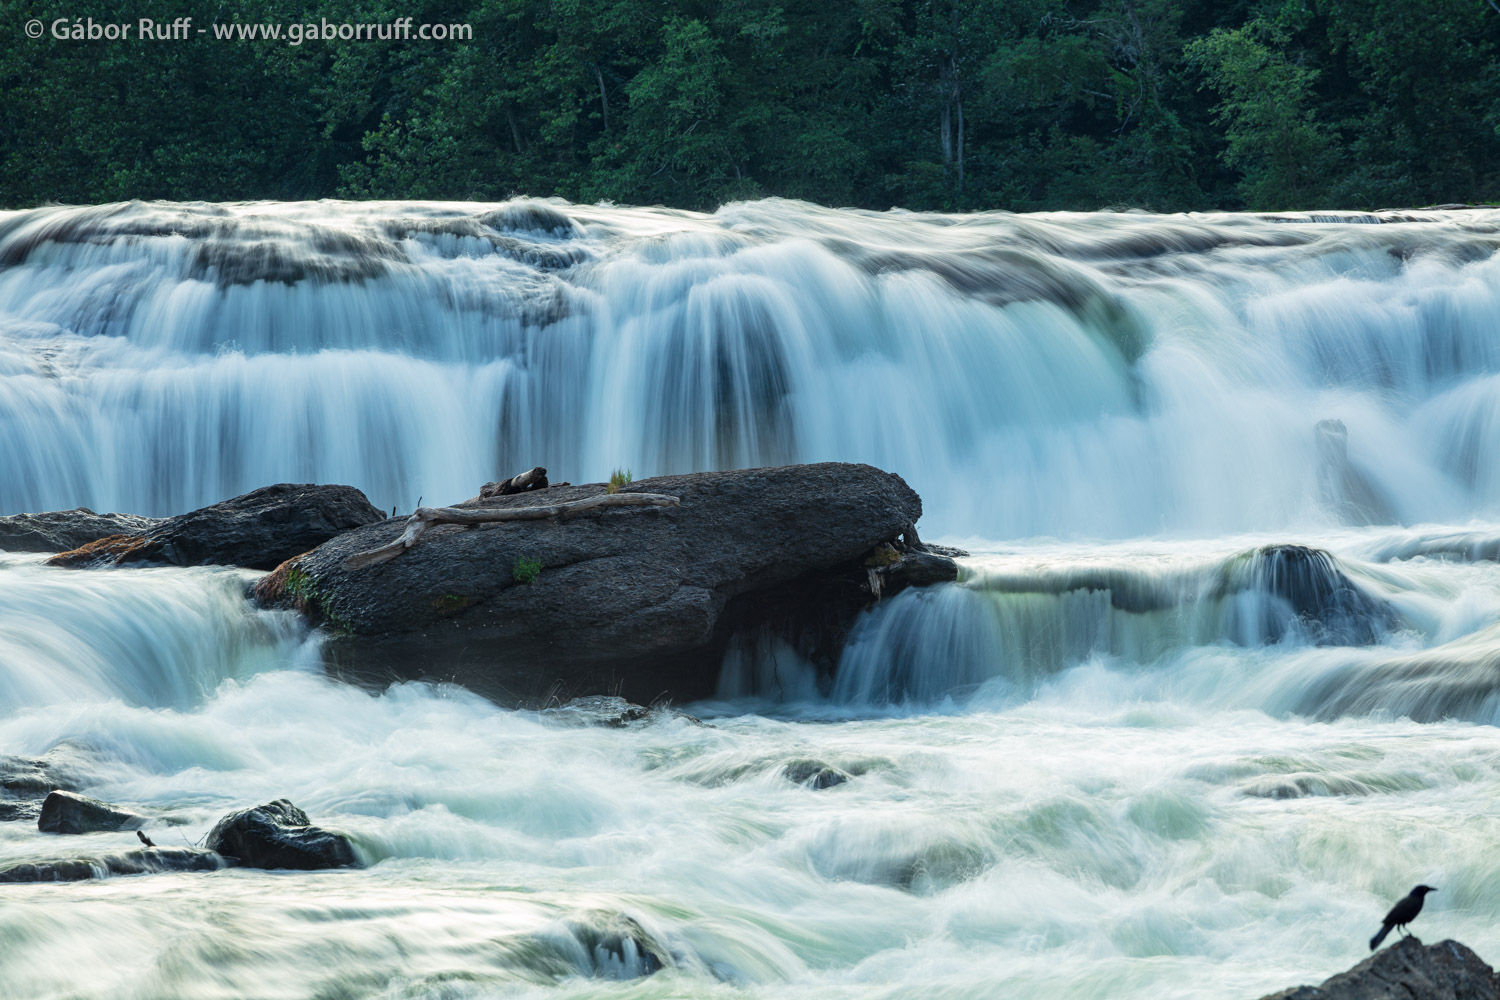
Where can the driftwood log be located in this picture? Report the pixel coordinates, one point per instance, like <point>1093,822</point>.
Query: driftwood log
<point>531,479</point>
<point>425,517</point>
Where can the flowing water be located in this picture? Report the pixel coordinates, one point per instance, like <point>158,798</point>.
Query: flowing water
<point>1148,746</point>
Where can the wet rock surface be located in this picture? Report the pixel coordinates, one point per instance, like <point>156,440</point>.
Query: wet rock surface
<point>1316,596</point>
<point>142,861</point>
<point>814,774</point>
<point>69,812</point>
<point>26,781</point>
<point>279,835</point>
<point>60,530</point>
<point>1408,970</point>
<point>639,602</point>
<point>257,530</point>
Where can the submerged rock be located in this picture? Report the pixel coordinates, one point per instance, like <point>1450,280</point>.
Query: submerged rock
<point>598,943</point>
<point>142,861</point>
<point>34,777</point>
<point>599,710</point>
<point>1309,592</point>
<point>69,812</point>
<point>279,835</point>
<point>26,781</point>
<point>613,712</point>
<point>1407,970</point>
<point>1457,680</point>
<point>257,530</point>
<point>1342,487</point>
<point>639,602</point>
<point>60,530</point>
<point>814,774</point>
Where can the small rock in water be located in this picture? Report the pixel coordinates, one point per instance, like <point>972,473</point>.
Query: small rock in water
<point>614,712</point>
<point>69,812</point>
<point>598,710</point>
<point>33,777</point>
<point>279,835</point>
<point>814,774</point>
<point>614,945</point>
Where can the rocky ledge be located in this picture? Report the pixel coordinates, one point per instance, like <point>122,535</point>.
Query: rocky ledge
<point>60,530</point>
<point>1408,970</point>
<point>257,530</point>
<point>640,601</point>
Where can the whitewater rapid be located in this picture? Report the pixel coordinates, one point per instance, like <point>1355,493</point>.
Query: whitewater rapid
<point>1115,760</point>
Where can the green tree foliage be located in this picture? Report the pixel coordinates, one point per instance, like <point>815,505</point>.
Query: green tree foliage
<point>925,104</point>
<point>1287,158</point>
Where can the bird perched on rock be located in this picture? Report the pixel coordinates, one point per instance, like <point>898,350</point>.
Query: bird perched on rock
<point>1402,914</point>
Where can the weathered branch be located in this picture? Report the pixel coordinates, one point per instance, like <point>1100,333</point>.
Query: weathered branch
<point>424,517</point>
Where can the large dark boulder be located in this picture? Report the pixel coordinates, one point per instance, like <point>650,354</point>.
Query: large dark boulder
<point>1408,971</point>
<point>638,602</point>
<point>69,812</point>
<point>61,530</point>
<point>279,835</point>
<point>258,530</point>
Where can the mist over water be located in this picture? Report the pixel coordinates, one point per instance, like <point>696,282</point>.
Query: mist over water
<point>1215,687</point>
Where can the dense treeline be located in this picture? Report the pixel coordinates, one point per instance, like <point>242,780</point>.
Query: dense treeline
<point>926,104</point>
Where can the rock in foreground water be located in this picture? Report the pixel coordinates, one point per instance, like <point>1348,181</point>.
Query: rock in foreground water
<point>1408,970</point>
<point>279,835</point>
<point>258,530</point>
<point>638,602</point>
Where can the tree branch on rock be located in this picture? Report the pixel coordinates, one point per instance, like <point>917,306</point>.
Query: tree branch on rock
<point>425,517</point>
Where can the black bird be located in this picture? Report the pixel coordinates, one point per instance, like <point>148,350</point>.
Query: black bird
<point>1402,914</point>
<point>147,841</point>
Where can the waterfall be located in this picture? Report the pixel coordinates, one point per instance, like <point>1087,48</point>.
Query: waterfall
<point>1105,375</point>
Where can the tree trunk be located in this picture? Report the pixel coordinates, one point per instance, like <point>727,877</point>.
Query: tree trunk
<point>603,98</point>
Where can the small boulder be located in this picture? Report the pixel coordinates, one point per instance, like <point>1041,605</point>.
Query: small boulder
<point>279,835</point>
<point>814,774</point>
<point>598,710</point>
<point>258,530</point>
<point>69,812</point>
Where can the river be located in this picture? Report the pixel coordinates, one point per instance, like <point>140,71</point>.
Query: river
<point>1112,761</point>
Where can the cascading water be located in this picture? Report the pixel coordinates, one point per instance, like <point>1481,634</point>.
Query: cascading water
<point>1218,683</point>
<point>1069,375</point>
